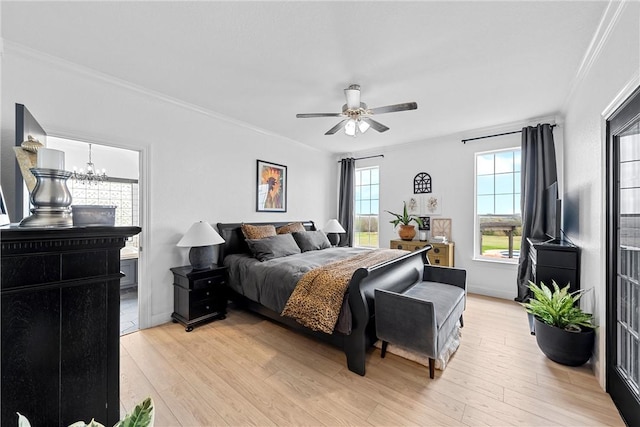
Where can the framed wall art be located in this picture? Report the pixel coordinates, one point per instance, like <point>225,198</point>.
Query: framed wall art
<point>271,189</point>
<point>413,205</point>
<point>441,227</point>
<point>432,204</point>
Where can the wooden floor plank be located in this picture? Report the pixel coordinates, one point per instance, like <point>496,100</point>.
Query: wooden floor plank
<point>246,370</point>
<point>135,387</point>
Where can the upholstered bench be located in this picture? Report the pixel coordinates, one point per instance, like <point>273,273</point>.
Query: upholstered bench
<point>423,316</point>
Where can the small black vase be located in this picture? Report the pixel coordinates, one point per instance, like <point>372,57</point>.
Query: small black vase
<point>565,347</point>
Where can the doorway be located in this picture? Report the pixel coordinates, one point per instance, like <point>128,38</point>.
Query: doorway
<point>623,258</point>
<point>120,188</point>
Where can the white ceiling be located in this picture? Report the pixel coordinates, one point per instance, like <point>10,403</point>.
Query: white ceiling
<point>468,65</point>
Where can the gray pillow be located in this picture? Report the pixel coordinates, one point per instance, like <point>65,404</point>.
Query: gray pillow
<point>311,240</point>
<point>273,247</point>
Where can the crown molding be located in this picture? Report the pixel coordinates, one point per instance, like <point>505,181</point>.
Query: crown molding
<point>622,96</point>
<point>14,48</point>
<point>607,24</point>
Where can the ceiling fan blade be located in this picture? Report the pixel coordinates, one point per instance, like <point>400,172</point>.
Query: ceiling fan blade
<point>376,125</point>
<point>309,115</point>
<point>393,108</point>
<point>337,127</point>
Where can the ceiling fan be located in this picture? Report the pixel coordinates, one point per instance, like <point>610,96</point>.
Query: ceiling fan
<point>357,116</point>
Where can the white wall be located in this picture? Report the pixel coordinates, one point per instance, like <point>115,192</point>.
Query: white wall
<point>199,167</point>
<point>451,165</point>
<point>616,65</point>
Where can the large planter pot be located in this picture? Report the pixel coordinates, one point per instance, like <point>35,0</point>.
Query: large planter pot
<point>407,232</point>
<point>564,347</point>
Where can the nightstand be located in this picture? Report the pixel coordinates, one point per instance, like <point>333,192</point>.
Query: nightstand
<point>441,254</point>
<point>199,295</point>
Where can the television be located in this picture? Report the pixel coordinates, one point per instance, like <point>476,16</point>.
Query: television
<point>553,213</point>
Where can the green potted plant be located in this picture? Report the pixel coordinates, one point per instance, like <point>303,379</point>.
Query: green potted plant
<point>406,231</point>
<point>564,332</point>
<point>143,415</point>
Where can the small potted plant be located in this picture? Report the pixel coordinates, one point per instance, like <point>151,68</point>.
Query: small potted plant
<point>564,332</point>
<point>406,231</point>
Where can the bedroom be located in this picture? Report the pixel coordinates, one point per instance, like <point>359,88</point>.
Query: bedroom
<point>199,148</point>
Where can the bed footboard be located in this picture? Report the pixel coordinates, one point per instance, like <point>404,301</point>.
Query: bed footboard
<point>398,273</point>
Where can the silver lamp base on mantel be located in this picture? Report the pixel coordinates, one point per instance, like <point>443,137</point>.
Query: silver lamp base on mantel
<point>51,199</point>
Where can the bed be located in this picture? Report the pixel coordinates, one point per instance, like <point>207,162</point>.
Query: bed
<point>358,311</point>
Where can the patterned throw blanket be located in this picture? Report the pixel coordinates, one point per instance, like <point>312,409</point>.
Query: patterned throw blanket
<point>317,298</point>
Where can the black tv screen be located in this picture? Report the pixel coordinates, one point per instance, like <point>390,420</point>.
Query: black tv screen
<point>553,209</point>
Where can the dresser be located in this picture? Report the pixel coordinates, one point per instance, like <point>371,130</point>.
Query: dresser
<point>559,261</point>
<point>60,331</point>
<point>441,254</point>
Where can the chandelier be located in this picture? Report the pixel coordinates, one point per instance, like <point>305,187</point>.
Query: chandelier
<point>92,175</point>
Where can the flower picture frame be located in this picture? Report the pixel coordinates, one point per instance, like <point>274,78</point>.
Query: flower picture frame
<point>271,187</point>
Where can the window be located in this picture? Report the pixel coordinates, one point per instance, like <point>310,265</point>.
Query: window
<point>498,217</point>
<point>367,201</point>
<point>122,193</point>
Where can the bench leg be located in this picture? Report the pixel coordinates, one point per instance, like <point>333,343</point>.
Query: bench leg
<point>432,368</point>
<point>383,351</point>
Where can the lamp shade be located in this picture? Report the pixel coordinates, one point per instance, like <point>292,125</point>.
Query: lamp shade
<point>333,226</point>
<point>200,234</point>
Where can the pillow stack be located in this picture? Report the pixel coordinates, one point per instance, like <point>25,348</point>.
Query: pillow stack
<point>311,240</point>
<point>266,243</point>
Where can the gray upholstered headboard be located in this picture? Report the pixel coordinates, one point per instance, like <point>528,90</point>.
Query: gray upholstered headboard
<point>234,239</point>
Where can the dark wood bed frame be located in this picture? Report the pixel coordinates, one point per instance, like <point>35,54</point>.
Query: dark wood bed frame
<point>397,273</point>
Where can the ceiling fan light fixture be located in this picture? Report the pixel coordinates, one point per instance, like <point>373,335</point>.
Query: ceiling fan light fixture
<point>356,116</point>
<point>352,94</point>
<point>363,126</point>
<point>350,128</point>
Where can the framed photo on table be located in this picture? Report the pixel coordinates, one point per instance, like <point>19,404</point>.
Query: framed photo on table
<point>271,189</point>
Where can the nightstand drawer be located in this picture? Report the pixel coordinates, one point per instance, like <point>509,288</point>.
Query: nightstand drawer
<point>440,251</point>
<point>207,294</point>
<point>208,282</point>
<point>204,307</point>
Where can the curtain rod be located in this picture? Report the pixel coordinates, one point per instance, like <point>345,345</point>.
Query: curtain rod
<point>464,141</point>
<point>368,157</point>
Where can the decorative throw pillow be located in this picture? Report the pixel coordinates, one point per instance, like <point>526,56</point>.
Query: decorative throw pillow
<point>273,247</point>
<point>311,240</point>
<point>292,227</point>
<point>258,231</point>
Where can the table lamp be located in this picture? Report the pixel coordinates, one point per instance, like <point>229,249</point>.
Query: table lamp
<point>200,238</point>
<point>332,230</point>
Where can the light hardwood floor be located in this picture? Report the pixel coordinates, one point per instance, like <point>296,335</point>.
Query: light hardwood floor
<point>247,370</point>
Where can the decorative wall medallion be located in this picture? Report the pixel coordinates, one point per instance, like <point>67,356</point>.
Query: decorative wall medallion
<point>422,183</point>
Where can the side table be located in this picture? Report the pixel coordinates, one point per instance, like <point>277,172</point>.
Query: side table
<point>199,295</point>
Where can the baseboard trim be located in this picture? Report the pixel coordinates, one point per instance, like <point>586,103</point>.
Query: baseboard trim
<point>488,292</point>
<point>160,319</point>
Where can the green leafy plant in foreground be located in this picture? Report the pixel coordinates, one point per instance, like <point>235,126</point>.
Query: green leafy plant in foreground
<point>405,218</point>
<point>141,416</point>
<point>557,308</point>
